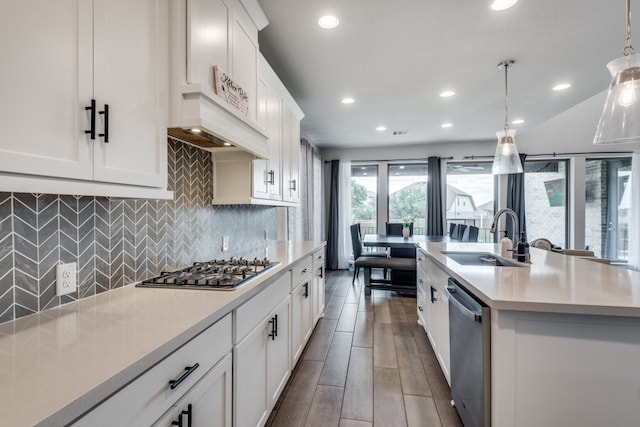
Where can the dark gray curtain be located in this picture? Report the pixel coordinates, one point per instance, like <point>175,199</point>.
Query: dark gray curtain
<point>515,199</point>
<point>435,223</point>
<point>332,221</point>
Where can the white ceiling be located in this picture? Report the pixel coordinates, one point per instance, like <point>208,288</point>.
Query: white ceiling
<point>395,57</point>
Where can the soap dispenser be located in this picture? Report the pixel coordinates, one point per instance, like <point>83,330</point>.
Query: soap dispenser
<point>523,249</point>
<point>506,246</point>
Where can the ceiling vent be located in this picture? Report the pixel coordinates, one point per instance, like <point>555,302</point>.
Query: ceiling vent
<point>400,132</point>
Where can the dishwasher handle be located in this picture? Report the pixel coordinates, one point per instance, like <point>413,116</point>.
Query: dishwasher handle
<point>452,293</point>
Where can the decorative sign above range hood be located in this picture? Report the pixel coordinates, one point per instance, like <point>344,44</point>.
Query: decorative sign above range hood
<point>231,92</point>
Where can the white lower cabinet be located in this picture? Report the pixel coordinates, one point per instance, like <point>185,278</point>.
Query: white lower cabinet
<point>261,363</point>
<point>318,285</point>
<point>208,403</point>
<point>301,317</point>
<point>150,395</point>
<point>433,309</point>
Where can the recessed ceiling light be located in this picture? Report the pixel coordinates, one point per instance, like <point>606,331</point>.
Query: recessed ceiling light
<point>517,121</point>
<point>381,128</point>
<point>348,100</point>
<point>502,4</point>
<point>447,93</point>
<point>561,86</point>
<point>364,173</point>
<point>328,22</point>
<point>363,168</point>
<point>446,125</point>
<point>397,173</point>
<point>195,130</point>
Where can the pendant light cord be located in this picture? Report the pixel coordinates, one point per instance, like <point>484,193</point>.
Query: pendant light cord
<point>506,97</point>
<point>628,50</point>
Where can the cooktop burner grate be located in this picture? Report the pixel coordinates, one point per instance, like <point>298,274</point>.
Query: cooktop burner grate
<point>218,274</point>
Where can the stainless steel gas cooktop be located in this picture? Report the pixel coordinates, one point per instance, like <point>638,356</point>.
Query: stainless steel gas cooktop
<point>219,274</point>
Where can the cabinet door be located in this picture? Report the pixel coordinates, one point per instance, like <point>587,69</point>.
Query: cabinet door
<point>208,403</point>
<point>432,315</point>
<point>45,82</point>
<point>443,334</point>
<point>291,156</point>
<point>131,77</point>
<point>301,308</point>
<point>260,173</point>
<point>318,293</point>
<point>279,366</point>
<point>244,56</point>
<point>207,40</point>
<point>250,400</point>
<point>274,129</point>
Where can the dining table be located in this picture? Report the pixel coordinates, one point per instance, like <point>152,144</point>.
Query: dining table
<point>383,240</point>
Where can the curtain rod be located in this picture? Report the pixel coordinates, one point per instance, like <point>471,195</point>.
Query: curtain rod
<point>555,154</point>
<point>394,160</point>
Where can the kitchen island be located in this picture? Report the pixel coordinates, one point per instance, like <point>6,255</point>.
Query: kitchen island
<point>58,364</point>
<point>565,336</point>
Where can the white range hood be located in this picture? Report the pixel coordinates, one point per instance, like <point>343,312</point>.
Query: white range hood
<point>215,33</point>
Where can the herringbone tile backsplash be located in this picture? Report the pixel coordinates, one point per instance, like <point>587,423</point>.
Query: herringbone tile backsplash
<point>117,242</point>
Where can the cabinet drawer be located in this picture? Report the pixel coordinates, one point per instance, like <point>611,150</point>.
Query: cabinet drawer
<point>421,259</point>
<point>150,395</point>
<point>318,259</point>
<point>300,271</point>
<point>252,312</point>
<point>436,274</point>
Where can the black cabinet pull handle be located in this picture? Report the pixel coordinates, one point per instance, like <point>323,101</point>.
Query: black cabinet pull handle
<point>272,334</point>
<point>275,331</point>
<point>420,308</point>
<point>92,119</point>
<point>432,292</point>
<point>187,371</point>
<point>272,177</point>
<point>177,423</point>
<point>105,112</point>
<point>306,290</point>
<point>188,413</point>
<point>293,185</point>
<point>321,273</point>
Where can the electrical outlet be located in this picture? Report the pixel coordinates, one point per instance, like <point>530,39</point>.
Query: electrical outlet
<point>66,281</point>
<point>225,243</point>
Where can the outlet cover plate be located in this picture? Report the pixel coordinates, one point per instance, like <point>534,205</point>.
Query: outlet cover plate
<point>66,278</point>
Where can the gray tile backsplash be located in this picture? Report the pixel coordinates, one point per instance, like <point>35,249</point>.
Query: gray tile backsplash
<point>115,241</point>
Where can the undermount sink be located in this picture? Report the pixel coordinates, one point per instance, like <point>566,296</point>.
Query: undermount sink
<point>486,259</point>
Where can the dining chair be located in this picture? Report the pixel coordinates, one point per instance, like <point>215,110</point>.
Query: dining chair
<point>461,228</point>
<point>470,234</point>
<point>453,231</point>
<point>356,246</point>
<point>395,229</point>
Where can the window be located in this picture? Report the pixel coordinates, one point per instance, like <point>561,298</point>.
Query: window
<point>607,207</point>
<point>408,194</point>
<point>545,194</point>
<point>470,196</point>
<point>364,197</point>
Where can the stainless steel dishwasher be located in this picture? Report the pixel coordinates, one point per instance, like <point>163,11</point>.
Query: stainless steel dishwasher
<point>469,337</point>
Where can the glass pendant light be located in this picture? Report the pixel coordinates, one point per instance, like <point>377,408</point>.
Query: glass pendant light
<point>507,159</point>
<point>620,119</point>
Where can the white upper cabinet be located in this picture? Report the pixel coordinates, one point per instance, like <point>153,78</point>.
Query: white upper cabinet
<point>57,58</point>
<point>221,34</point>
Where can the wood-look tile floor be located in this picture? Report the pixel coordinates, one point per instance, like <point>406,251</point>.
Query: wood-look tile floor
<point>368,363</point>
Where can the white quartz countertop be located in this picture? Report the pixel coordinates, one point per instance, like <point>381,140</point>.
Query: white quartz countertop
<point>553,282</point>
<point>56,364</point>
